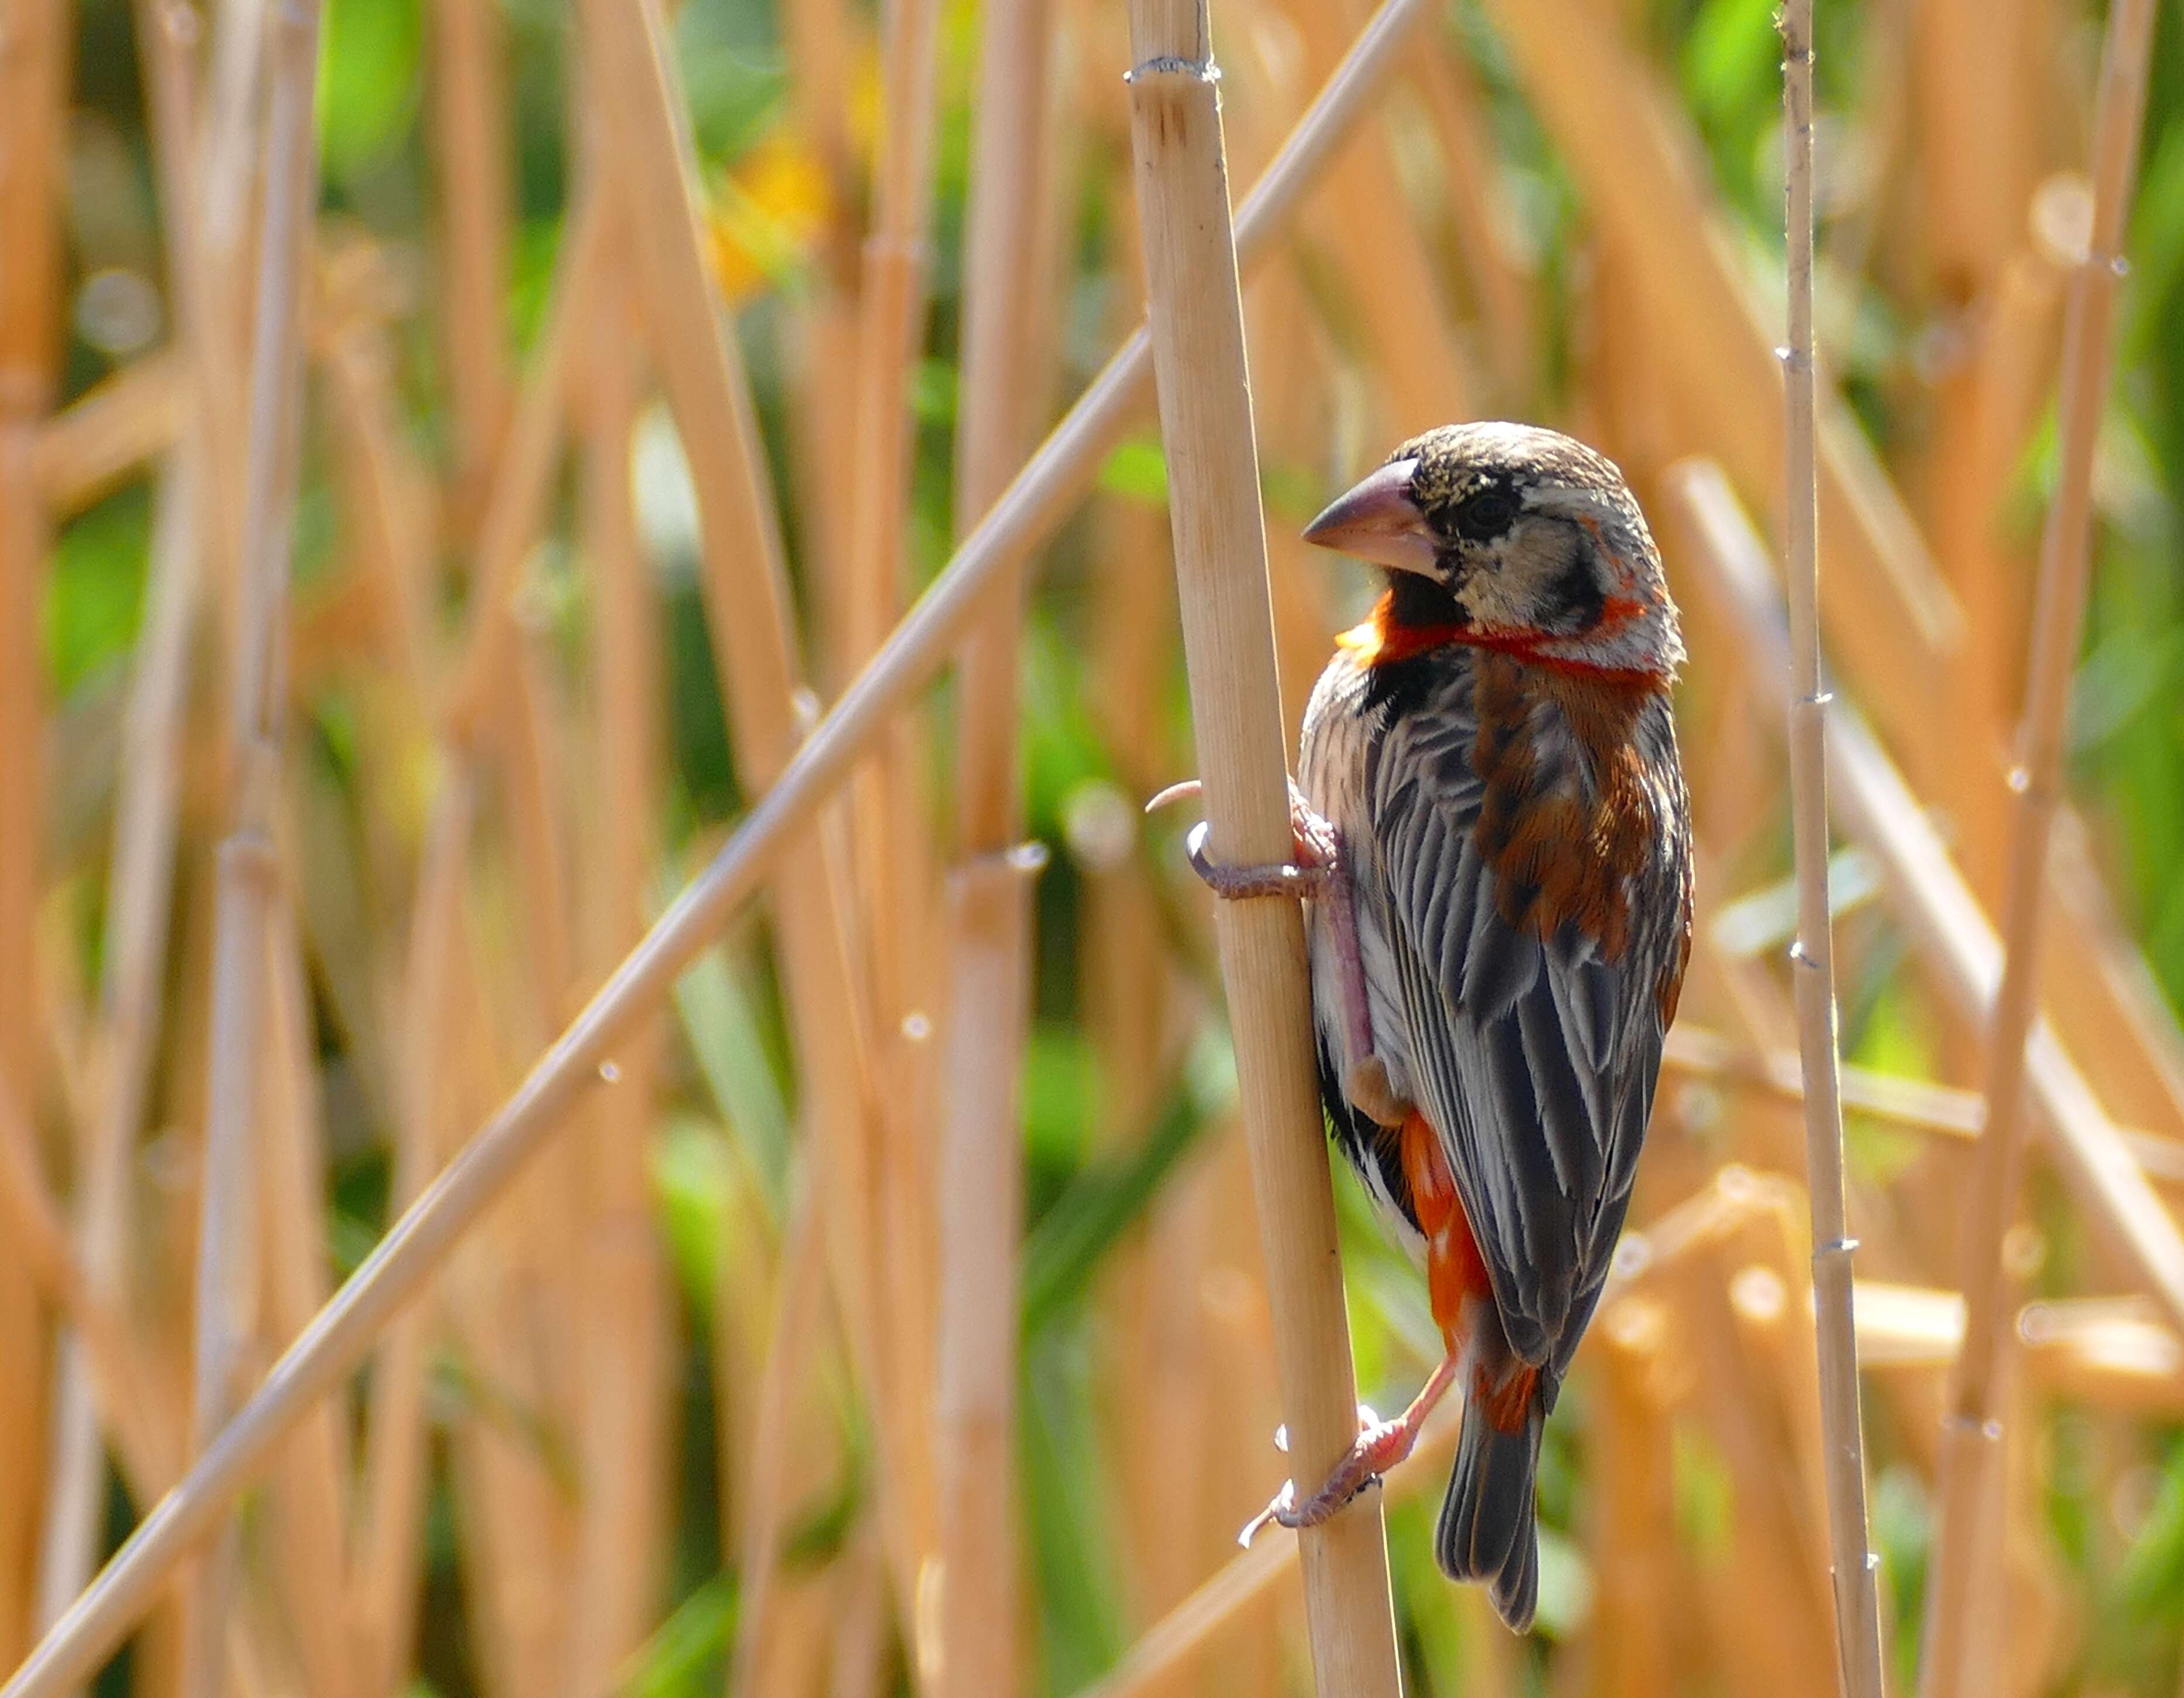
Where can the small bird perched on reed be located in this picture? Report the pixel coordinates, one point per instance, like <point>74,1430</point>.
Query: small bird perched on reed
<point>1493,839</point>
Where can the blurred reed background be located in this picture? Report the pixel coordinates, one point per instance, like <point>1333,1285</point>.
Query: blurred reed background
<point>352,729</point>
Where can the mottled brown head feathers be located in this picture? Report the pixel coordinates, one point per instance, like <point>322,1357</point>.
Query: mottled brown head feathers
<point>1536,539</point>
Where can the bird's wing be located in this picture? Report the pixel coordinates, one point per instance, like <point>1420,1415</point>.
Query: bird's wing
<point>1536,1057</point>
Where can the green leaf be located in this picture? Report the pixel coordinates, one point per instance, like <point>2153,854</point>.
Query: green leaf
<point>1137,471</point>
<point>718,1011</point>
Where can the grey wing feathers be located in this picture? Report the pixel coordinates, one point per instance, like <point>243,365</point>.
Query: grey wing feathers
<point>1535,1059</point>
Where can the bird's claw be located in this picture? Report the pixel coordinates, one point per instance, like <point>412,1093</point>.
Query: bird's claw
<point>1380,1445</point>
<point>1309,875</point>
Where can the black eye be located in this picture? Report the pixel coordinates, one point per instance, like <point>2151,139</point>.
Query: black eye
<point>1486,514</point>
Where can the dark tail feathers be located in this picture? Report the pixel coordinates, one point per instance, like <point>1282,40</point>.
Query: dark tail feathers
<point>1488,1528</point>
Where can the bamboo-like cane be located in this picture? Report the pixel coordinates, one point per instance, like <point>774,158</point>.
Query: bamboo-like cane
<point>1858,1619</point>
<point>624,1324</point>
<point>1036,501</point>
<point>980,1194</point>
<point>1893,621</point>
<point>227,1260</point>
<point>469,125</point>
<point>1946,925</point>
<point>743,580</point>
<point>1196,316</point>
<point>1958,1629</point>
<point>1248,1576</point>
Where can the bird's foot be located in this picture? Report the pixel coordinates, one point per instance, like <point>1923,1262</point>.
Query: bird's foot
<point>1311,874</point>
<point>1379,1446</point>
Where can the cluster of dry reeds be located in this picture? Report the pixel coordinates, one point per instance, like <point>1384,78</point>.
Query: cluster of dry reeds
<point>380,893</point>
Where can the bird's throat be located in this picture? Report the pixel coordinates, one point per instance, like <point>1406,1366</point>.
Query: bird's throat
<point>1415,614</point>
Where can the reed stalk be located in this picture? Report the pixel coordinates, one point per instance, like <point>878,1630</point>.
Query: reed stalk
<point>743,582</point>
<point>1036,501</point>
<point>1220,1601</point>
<point>1961,1630</point>
<point>1947,927</point>
<point>981,1156</point>
<point>1857,1615</point>
<point>624,1418</point>
<point>1196,316</point>
<point>228,1267</point>
<point>1893,623</point>
<point>471,132</point>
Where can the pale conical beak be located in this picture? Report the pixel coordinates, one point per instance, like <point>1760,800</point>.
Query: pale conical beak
<point>1378,520</point>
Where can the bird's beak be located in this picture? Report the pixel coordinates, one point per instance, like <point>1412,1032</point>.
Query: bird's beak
<point>1378,520</point>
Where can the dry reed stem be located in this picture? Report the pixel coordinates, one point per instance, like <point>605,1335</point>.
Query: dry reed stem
<point>890,836</point>
<point>1037,500</point>
<point>980,1193</point>
<point>390,1497</point>
<point>523,479</point>
<point>744,584</point>
<point>33,72</point>
<point>1415,356</point>
<point>891,839</point>
<point>302,1535</point>
<point>1857,1615</point>
<point>1946,925</point>
<point>1195,312</point>
<point>796,1301</point>
<point>1503,278</point>
<point>1248,1576</point>
<point>1958,1620</point>
<point>228,1274</point>
<point>103,439</point>
<point>1894,623</point>
<point>471,132</point>
<point>140,882</point>
<point>623,1416</point>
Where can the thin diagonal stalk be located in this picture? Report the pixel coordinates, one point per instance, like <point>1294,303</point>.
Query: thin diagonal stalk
<point>227,1262</point>
<point>1960,1634</point>
<point>1040,496</point>
<point>1858,1620</point>
<point>1196,316</point>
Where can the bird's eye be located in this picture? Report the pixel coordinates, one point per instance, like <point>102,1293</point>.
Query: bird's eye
<point>1487,513</point>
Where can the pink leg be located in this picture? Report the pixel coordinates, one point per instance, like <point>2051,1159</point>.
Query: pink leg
<point>1321,872</point>
<point>1378,1448</point>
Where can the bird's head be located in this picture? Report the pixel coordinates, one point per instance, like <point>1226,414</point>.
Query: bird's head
<point>1533,540</point>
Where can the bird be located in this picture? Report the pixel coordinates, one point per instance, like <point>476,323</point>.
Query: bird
<point>1494,848</point>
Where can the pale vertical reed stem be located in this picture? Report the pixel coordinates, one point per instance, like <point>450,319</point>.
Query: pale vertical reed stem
<point>1415,360</point>
<point>1961,1626</point>
<point>624,1416</point>
<point>227,1232</point>
<point>1503,279</point>
<point>1943,918</point>
<point>139,888</point>
<point>823,316</point>
<point>471,136</point>
<point>1249,1577</point>
<point>743,582</point>
<point>301,1532</point>
<point>386,1555</point>
<point>1036,501</point>
<point>33,72</point>
<point>891,842</point>
<point>1197,324</point>
<point>798,1288</point>
<point>140,877</point>
<point>1858,1620</point>
<point>980,1194</point>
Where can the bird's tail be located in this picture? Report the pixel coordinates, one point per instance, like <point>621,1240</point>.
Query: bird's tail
<point>1488,1527</point>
